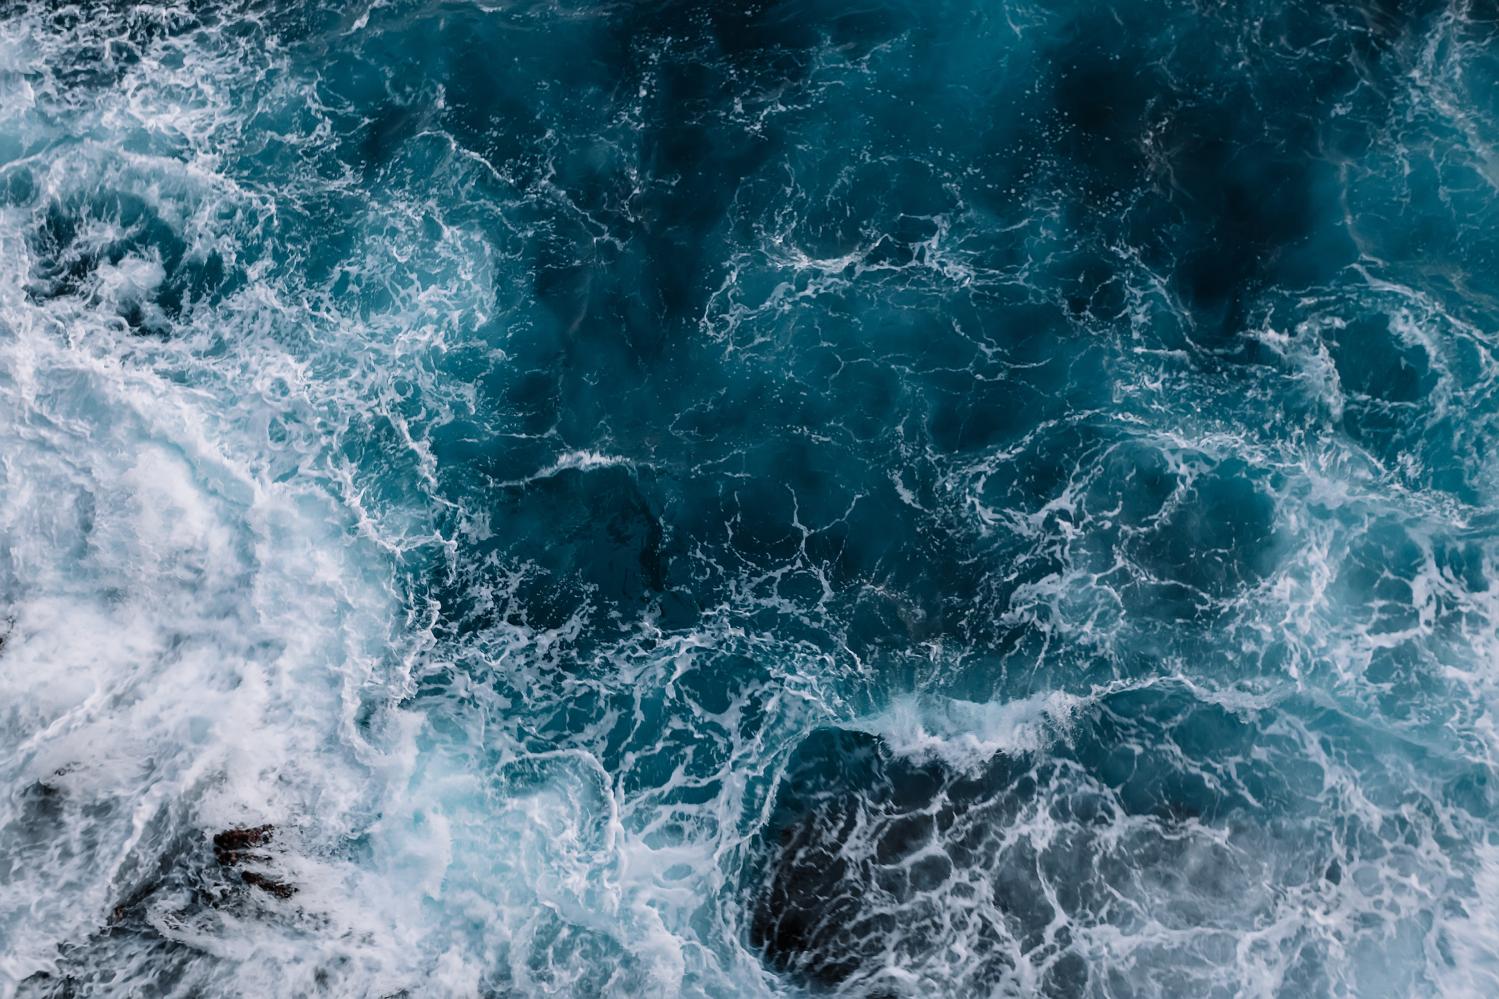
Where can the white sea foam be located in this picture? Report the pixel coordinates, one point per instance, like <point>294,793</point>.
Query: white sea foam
<point>967,734</point>
<point>186,636</point>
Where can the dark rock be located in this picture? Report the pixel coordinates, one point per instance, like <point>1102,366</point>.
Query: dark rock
<point>236,847</point>
<point>232,846</point>
<point>278,888</point>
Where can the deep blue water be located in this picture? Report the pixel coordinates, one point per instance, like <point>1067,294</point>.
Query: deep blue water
<point>782,498</point>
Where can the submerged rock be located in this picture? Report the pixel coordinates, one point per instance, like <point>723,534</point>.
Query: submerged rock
<point>278,888</point>
<point>233,848</point>
<point>232,845</point>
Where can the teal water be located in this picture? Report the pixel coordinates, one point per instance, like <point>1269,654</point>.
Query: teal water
<point>770,499</point>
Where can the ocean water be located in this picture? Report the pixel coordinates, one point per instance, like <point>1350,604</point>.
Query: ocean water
<point>672,498</point>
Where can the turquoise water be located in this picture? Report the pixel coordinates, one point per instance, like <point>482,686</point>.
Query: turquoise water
<point>794,498</point>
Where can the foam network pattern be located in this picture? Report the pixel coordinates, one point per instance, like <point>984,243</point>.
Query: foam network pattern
<point>749,499</point>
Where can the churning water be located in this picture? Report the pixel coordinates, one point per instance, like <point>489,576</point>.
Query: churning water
<point>884,498</point>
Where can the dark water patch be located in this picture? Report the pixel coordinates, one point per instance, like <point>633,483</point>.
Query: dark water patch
<point>812,916</point>
<point>1217,537</point>
<point>1106,96</point>
<point>1374,362</point>
<point>586,537</point>
<point>874,862</point>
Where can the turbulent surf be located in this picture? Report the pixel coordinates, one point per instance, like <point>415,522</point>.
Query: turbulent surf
<point>784,498</point>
